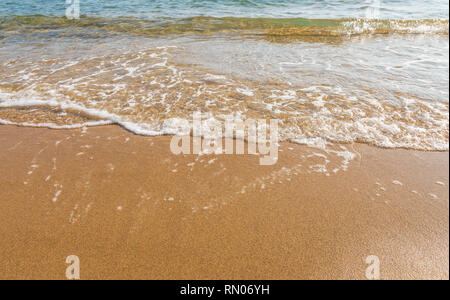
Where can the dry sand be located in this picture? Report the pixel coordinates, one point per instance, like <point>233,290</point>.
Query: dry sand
<point>132,210</point>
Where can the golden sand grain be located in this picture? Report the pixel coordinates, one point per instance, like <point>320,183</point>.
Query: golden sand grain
<point>129,209</point>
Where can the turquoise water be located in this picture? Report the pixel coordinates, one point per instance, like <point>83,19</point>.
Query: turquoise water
<point>311,9</point>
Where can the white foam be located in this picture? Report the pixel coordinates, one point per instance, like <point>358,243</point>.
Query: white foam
<point>55,126</point>
<point>433,196</point>
<point>58,192</point>
<point>396,182</point>
<point>245,92</point>
<point>381,128</point>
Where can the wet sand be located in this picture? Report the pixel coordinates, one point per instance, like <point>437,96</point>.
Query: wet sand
<point>130,209</point>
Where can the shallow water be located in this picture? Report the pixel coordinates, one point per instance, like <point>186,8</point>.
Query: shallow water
<point>146,64</point>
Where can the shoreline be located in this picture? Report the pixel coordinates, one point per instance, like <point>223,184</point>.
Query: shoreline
<point>130,209</point>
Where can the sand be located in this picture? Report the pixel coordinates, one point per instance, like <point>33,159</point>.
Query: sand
<point>130,209</point>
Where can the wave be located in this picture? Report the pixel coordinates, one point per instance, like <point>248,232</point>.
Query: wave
<point>228,25</point>
<point>387,92</point>
<point>146,93</point>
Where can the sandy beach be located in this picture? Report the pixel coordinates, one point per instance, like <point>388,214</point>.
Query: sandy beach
<point>130,209</point>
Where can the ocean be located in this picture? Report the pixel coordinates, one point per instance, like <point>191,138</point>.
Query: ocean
<point>312,9</point>
<point>374,72</point>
